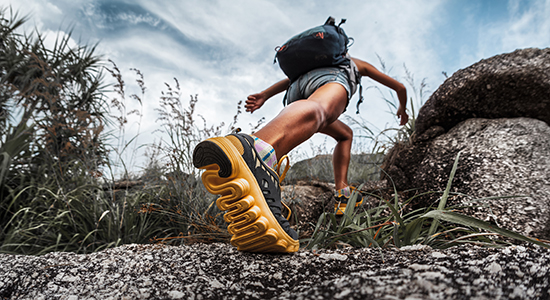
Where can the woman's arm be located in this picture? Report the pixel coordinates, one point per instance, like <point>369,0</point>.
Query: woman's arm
<point>366,69</point>
<point>255,101</point>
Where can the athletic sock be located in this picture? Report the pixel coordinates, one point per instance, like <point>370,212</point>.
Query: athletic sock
<point>266,152</point>
<point>346,192</point>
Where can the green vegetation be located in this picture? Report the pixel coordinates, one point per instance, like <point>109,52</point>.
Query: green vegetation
<point>60,144</point>
<point>388,226</point>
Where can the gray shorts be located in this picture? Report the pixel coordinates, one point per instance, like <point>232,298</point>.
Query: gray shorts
<point>308,83</point>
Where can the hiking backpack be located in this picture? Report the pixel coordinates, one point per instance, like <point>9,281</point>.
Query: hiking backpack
<point>321,46</point>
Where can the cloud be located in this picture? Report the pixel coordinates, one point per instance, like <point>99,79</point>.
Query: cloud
<point>39,13</point>
<point>224,50</point>
<point>528,25</point>
<point>115,15</point>
<point>137,19</point>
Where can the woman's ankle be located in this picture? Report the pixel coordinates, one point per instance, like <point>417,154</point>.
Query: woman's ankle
<point>345,191</point>
<point>266,151</point>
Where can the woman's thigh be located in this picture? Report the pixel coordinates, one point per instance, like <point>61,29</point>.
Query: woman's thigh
<point>332,99</point>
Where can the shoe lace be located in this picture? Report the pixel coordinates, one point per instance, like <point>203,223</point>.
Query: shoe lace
<point>282,176</point>
<point>289,211</point>
<point>278,165</point>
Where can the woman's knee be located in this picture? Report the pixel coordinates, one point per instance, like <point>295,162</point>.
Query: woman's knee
<point>345,133</point>
<point>348,132</point>
<point>338,131</point>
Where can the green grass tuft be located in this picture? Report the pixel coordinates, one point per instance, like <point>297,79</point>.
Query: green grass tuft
<point>439,227</point>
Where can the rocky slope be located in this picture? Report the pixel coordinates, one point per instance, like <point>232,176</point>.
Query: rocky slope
<point>509,85</point>
<point>496,113</point>
<point>218,271</point>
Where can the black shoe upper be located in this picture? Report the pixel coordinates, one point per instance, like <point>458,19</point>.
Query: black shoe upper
<point>344,199</point>
<point>268,180</point>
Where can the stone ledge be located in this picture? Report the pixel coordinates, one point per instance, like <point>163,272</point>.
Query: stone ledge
<point>219,271</point>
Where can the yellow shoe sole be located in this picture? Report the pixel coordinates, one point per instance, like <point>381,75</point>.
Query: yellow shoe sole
<point>251,222</point>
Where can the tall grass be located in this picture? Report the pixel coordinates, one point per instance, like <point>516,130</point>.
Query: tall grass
<point>93,211</point>
<point>70,186</point>
<point>390,224</point>
<point>63,142</point>
<point>383,139</point>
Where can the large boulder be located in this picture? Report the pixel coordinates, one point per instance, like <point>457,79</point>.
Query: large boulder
<point>509,85</point>
<point>308,200</point>
<point>362,167</point>
<point>496,113</point>
<point>498,157</point>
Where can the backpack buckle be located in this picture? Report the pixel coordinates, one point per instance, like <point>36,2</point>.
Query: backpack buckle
<point>330,21</point>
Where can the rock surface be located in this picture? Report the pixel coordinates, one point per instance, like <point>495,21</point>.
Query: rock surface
<point>218,271</point>
<point>499,157</point>
<point>497,113</point>
<point>308,200</point>
<point>509,85</point>
<point>363,167</point>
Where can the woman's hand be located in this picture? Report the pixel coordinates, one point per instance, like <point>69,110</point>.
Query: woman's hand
<point>402,114</point>
<point>369,70</point>
<point>255,101</point>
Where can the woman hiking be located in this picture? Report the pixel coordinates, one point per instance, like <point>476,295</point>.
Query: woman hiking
<point>241,168</point>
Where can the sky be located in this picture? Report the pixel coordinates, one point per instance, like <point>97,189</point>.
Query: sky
<point>223,50</point>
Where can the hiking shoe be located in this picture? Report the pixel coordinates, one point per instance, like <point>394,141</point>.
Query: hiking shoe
<point>342,201</point>
<point>250,193</point>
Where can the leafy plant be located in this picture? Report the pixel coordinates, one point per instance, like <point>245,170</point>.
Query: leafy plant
<point>52,114</point>
<point>58,188</point>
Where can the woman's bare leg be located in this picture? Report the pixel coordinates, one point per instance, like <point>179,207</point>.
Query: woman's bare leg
<point>297,122</point>
<point>342,152</point>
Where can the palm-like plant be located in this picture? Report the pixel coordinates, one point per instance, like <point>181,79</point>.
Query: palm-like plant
<point>8,44</point>
<point>59,89</point>
<point>52,115</point>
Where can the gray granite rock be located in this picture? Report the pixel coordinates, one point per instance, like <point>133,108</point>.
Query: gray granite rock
<point>499,157</point>
<point>509,85</point>
<point>363,167</point>
<point>218,271</point>
<point>497,113</point>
